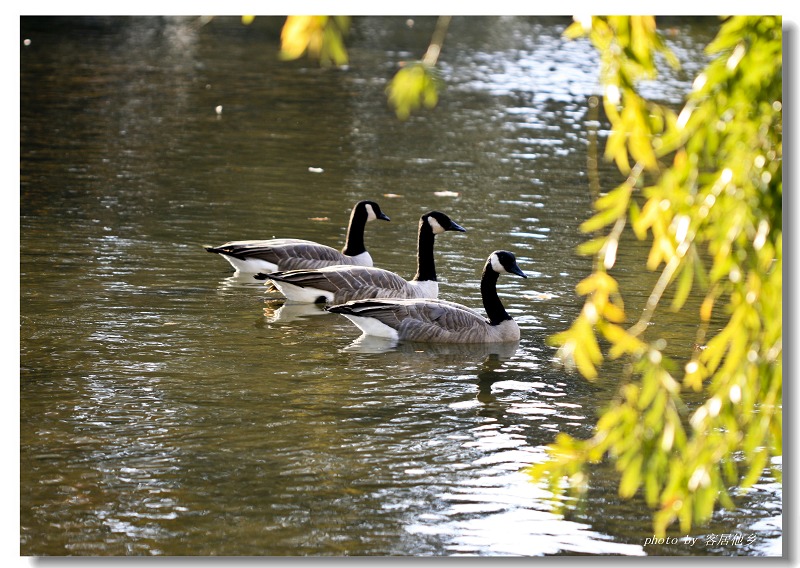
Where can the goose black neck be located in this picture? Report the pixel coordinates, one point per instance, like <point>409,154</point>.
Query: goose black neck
<point>491,301</point>
<point>426,269</point>
<point>354,241</point>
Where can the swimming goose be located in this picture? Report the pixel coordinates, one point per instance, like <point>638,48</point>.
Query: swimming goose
<point>438,320</point>
<point>288,254</point>
<point>340,284</point>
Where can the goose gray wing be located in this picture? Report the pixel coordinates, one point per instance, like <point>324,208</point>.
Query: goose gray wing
<point>348,283</point>
<point>255,248</point>
<point>421,320</point>
<point>442,321</point>
<point>289,254</point>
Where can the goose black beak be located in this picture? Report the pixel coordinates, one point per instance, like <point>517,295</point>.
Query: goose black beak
<point>456,227</point>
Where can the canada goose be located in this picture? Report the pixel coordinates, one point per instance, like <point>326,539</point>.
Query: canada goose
<point>439,320</point>
<point>288,254</point>
<point>339,284</point>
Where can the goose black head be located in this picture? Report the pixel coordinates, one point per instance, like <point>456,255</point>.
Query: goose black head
<point>439,223</point>
<point>373,210</point>
<point>504,261</point>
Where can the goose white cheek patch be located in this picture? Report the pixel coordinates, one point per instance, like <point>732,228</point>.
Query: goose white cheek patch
<point>497,266</point>
<point>370,212</point>
<point>435,226</point>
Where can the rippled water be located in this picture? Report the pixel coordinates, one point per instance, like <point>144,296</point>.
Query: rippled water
<point>168,407</point>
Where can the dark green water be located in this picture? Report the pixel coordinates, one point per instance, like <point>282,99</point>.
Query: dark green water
<point>167,407</point>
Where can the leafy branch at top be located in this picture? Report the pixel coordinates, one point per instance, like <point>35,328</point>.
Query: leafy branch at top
<point>321,37</point>
<point>415,85</point>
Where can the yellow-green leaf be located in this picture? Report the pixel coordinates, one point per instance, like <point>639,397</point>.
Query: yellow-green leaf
<point>684,287</point>
<point>412,87</point>
<point>631,477</point>
<point>597,282</point>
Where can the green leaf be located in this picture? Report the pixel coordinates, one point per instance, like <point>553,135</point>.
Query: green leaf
<point>631,478</point>
<point>592,246</point>
<point>684,287</point>
<point>412,87</point>
<point>574,31</point>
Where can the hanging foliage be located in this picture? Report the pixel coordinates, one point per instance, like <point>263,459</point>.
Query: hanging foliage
<point>709,180</point>
<point>321,37</point>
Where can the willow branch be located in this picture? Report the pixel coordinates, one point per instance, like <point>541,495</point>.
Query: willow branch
<point>437,40</point>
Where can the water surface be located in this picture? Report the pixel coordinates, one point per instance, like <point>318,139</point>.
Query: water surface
<point>168,407</point>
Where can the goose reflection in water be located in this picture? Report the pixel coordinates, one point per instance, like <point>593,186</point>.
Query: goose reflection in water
<point>490,373</point>
<point>285,312</point>
<point>372,344</point>
<point>489,370</point>
<point>238,280</point>
<point>494,355</point>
